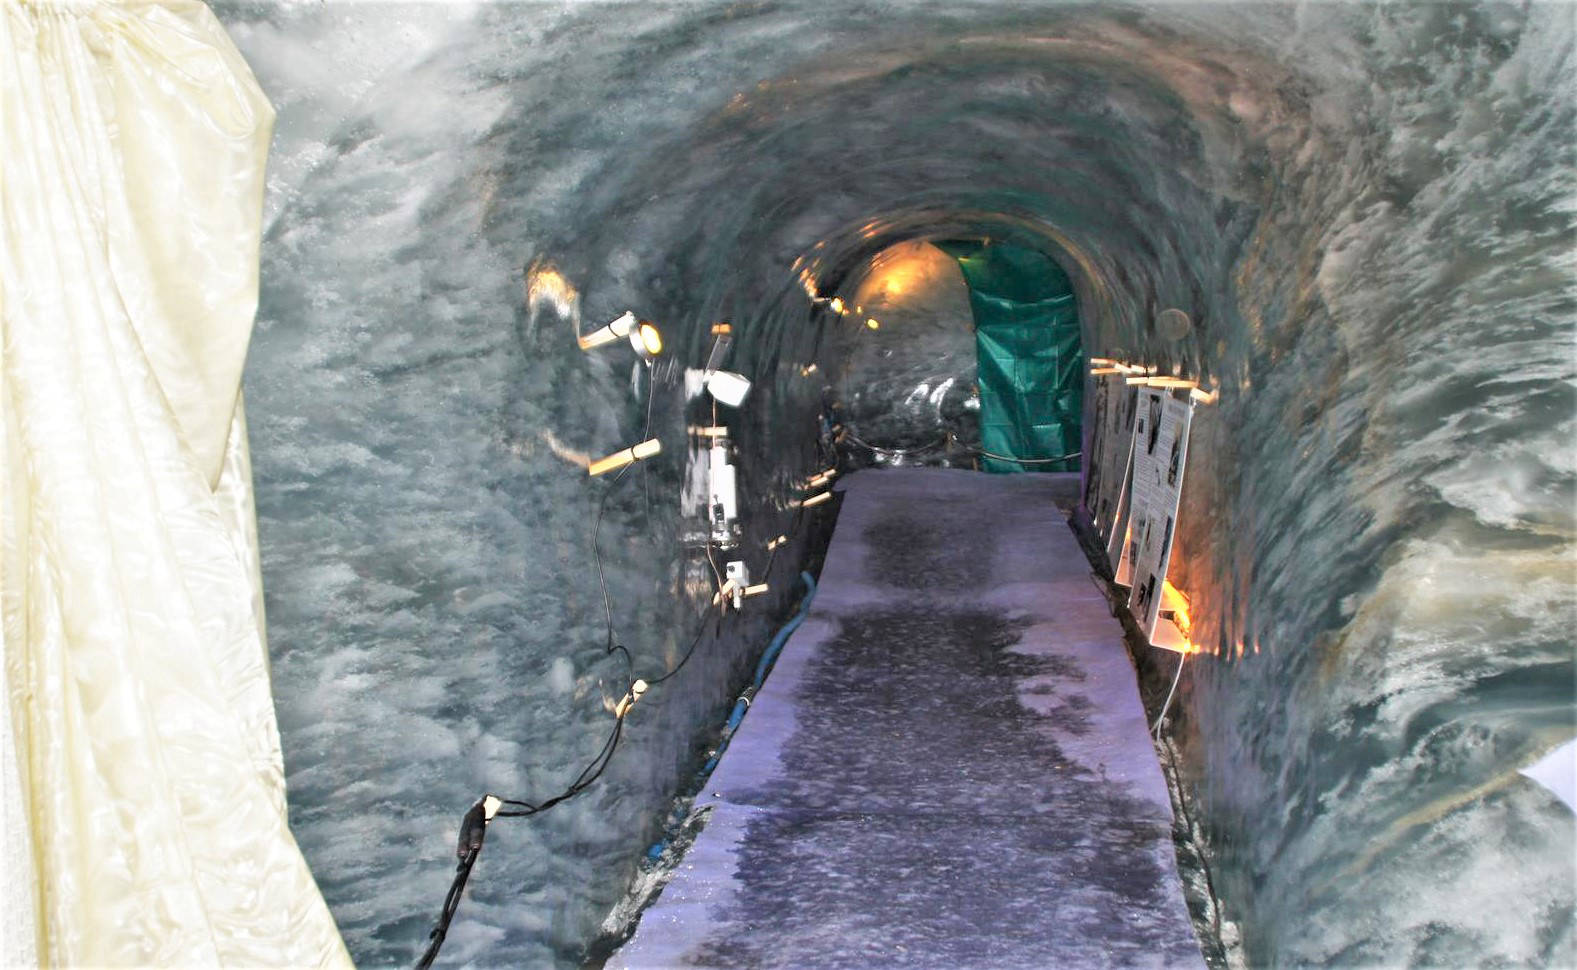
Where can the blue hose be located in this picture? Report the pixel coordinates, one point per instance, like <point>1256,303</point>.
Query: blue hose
<point>743,704</point>
<point>776,646</point>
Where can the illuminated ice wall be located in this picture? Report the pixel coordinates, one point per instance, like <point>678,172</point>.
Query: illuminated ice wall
<point>1367,210</point>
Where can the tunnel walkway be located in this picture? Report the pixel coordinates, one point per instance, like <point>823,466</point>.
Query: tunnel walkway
<point>949,766</point>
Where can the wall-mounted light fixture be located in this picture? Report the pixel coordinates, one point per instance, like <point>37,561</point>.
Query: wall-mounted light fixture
<point>630,455</point>
<point>727,387</point>
<point>643,335</point>
<point>647,340</point>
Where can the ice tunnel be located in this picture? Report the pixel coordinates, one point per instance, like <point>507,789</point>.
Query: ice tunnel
<point>1364,210</point>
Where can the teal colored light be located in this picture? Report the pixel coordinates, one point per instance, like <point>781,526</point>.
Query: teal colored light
<point>1029,361</point>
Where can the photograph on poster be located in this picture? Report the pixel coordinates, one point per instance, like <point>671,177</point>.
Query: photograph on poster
<point>1136,532</point>
<point>1158,467</point>
<point>1095,451</point>
<point>1117,542</point>
<point>1106,488</point>
<point>1143,596</point>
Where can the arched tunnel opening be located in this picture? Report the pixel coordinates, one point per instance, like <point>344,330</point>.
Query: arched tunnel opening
<point>979,364</point>
<point>911,229</point>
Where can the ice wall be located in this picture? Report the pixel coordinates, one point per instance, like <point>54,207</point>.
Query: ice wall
<point>1367,210</point>
<point>907,383</point>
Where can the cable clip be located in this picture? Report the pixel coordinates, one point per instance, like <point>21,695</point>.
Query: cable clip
<point>634,694</point>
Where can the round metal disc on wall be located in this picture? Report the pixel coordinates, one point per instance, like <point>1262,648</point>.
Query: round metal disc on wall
<point>1173,324</point>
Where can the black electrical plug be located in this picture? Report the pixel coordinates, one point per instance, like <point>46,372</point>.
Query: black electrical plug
<point>474,827</point>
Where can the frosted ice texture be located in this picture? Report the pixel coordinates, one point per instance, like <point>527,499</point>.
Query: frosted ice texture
<point>1367,211</point>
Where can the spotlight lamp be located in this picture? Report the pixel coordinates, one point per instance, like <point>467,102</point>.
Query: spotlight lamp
<point>642,334</point>
<point>647,340</point>
<point>727,387</point>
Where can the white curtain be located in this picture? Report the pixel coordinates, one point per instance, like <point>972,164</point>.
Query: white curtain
<point>141,785</point>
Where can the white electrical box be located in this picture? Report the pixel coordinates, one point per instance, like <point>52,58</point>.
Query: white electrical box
<point>722,497</point>
<point>739,574</point>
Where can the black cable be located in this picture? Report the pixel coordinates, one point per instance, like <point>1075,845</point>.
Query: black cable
<point>602,579</point>
<point>685,659</point>
<point>646,478</point>
<point>943,444</point>
<point>473,829</point>
<point>596,530</point>
<point>474,825</point>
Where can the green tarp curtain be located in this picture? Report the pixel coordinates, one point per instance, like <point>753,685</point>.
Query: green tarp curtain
<point>1029,362</point>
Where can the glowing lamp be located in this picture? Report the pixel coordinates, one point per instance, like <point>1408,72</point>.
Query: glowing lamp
<point>647,340</point>
<point>642,334</point>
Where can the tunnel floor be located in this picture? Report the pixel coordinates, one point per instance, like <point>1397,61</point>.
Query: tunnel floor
<point>949,766</point>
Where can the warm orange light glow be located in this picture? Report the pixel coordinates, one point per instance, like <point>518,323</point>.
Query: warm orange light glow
<point>837,305</point>
<point>1173,634</point>
<point>650,338</point>
<point>1174,600</point>
<point>873,323</point>
<point>546,286</point>
<point>902,272</point>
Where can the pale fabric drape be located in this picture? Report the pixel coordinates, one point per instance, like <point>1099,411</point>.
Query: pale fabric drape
<point>143,791</point>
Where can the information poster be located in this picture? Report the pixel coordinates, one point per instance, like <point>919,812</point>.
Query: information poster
<point>1117,546</point>
<point>1110,452</point>
<point>1160,451</point>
